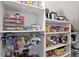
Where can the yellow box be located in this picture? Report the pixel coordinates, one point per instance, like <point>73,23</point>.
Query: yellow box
<point>59,52</point>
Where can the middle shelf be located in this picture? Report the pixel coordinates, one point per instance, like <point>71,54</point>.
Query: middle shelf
<point>22,31</point>
<point>55,46</point>
<point>56,32</point>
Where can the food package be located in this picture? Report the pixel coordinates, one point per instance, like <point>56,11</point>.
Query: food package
<point>59,52</point>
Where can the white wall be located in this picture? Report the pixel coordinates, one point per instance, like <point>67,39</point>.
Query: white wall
<point>70,9</point>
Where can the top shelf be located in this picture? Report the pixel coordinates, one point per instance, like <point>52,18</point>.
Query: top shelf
<point>57,21</point>
<point>18,31</point>
<point>23,7</point>
<point>73,32</point>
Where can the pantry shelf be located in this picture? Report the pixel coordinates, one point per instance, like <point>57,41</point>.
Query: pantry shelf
<point>56,21</point>
<point>73,32</point>
<point>55,29</point>
<point>33,23</point>
<point>55,46</point>
<point>22,49</point>
<point>23,31</point>
<point>56,32</point>
<point>64,55</point>
<point>25,7</point>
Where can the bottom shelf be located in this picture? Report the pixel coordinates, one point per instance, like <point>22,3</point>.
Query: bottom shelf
<point>63,51</point>
<point>64,55</point>
<point>22,44</point>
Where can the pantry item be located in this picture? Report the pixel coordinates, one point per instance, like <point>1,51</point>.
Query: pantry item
<point>58,28</point>
<point>48,44</point>
<point>13,21</point>
<point>22,19</point>
<point>35,40</point>
<point>17,15</point>
<point>16,53</point>
<point>65,39</point>
<point>53,38</point>
<point>12,41</point>
<point>8,54</point>
<point>30,3</point>
<point>53,29</point>
<point>50,41</point>
<point>48,53</point>
<point>9,16</point>
<point>18,1</point>
<point>59,51</point>
<point>19,28</point>
<point>35,27</point>
<point>23,2</point>
<point>57,40</point>
<point>47,28</point>
<point>60,38</point>
<point>10,47</point>
<point>25,53</point>
<point>66,29</point>
<point>47,13</point>
<point>21,42</point>
<point>53,15</point>
<point>37,4</point>
<point>72,28</point>
<point>60,18</point>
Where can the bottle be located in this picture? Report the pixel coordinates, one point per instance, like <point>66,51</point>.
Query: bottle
<point>47,28</point>
<point>17,15</point>
<point>47,13</point>
<point>57,40</point>
<point>53,15</point>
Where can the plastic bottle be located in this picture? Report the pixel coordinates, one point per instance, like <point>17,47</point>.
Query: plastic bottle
<point>17,15</point>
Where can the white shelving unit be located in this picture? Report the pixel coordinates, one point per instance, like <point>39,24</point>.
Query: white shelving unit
<point>68,45</point>
<point>33,15</point>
